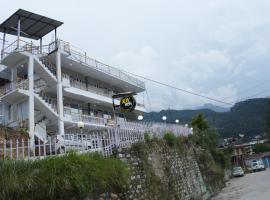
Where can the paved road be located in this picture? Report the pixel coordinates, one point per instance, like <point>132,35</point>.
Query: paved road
<point>254,186</point>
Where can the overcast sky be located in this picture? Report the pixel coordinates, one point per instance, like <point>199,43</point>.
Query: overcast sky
<point>218,48</point>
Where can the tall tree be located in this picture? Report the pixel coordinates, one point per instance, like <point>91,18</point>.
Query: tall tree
<point>200,123</point>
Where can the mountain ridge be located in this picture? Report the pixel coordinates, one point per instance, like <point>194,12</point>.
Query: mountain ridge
<point>246,117</point>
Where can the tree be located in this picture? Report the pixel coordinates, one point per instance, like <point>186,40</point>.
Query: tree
<point>200,123</point>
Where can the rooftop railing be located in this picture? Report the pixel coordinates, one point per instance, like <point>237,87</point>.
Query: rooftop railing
<point>76,54</point>
<point>82,57</point>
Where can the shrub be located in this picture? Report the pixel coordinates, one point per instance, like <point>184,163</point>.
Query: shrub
<point>147,137</point>
<point>260,148</point>
<point>64,177</point>
<point>170,139</point>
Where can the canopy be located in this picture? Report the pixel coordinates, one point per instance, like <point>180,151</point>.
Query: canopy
<point>32,25</point>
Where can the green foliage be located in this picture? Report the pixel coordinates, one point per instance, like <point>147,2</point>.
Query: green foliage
<point>212,161</point>
<point>147,137</point>
<point>170,139</point>
<point>260,148</point>
<point>71,176</point>
<point>200,123</point>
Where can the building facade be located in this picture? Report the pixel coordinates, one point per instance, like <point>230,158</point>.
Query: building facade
<point>49,88</point>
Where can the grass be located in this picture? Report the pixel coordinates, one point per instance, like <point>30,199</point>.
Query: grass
<point>71,176</point>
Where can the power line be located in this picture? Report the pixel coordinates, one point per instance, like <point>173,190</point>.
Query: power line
<point>179,89</point>
<point>257,94</point>
<point>250,88</point>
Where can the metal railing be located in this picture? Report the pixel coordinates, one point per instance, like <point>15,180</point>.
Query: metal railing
<point>76,117</point>
<point>55,145</point>
<point>23,46</point>
<point>82,57</point>
<point>76,54</point>
<point>123,134</point>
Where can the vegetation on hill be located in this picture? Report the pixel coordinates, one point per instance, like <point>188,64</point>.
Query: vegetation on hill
<point>71,176</point>
<point>212,161</point>
<point>246,117</point>
<point>261,148</point>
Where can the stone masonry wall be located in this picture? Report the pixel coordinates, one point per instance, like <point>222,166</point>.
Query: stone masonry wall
<point>161,172</point>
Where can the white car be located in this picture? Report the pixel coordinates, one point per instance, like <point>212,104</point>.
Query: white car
<point>257,165</point>
<point>238,171</point>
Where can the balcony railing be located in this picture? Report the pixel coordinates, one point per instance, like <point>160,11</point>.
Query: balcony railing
<point>82,57</point>
<point>78,55</point>
<point>81,85</point>
<point>23,46</point>
<point>76,117</point>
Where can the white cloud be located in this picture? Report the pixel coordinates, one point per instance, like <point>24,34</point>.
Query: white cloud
<point>213,47</point>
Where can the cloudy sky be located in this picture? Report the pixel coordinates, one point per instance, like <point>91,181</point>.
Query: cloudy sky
<point>218,48</point>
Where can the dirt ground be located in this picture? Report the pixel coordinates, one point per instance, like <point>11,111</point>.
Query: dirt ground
<point>253,186</point>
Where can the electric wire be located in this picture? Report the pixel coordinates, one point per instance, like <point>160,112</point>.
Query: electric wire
<point>179,89</point>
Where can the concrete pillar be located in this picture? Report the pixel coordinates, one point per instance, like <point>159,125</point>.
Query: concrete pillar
<point>13,86</point>
<point>13,77</point>
<point>61,130</point>
<point>31,112</point>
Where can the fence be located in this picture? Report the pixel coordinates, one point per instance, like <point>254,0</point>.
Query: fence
<point>103,142</point>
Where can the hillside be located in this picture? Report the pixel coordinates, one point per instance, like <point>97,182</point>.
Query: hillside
<point>246,117</point>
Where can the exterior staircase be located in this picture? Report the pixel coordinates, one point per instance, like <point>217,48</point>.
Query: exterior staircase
<point>49,65</point>
<point>47,105</point>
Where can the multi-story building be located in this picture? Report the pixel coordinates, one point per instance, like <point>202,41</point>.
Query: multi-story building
<point>49,88</point>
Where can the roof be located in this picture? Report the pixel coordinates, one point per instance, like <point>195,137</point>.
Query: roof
<point>33,26</point>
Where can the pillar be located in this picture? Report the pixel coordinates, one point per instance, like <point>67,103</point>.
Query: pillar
<point>3,45</point>
<point>31,112</point>
<point>13,80</point>
<point>18,32</point>
<point>61,130</point>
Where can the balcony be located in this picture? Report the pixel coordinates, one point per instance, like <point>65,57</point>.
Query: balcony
<point>76,54</point>
<point>67,81</point>
<point>81,57</point>
<point>74,115</point>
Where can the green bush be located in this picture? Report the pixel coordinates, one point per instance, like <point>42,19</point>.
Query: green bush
<point>170,139</point>
<point>147,137</point>
<point>64,177</point>
<point>260,148</point>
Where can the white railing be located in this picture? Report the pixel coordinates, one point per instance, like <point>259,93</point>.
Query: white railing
<point>76,117</point>
<point>104,142</point>
<point>78,55</point>
<point>23,46</point>
<point>82,57</point>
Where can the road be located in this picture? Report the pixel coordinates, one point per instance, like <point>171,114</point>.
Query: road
<point>251,186</point>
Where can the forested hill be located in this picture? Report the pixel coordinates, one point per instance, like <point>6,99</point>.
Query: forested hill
<point>246,117</point>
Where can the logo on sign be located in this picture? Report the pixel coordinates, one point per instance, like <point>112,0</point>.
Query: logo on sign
<point>127,103</point>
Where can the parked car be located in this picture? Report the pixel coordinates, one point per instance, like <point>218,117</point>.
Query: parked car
<point>257,165</point>
<point>238,171</point>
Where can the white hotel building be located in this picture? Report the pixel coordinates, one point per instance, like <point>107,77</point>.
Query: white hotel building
<point>49,88</point>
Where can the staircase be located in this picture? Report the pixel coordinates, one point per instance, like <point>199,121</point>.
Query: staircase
<point>40,129</point>
<point>49,65</point>
<point>47,105</point>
